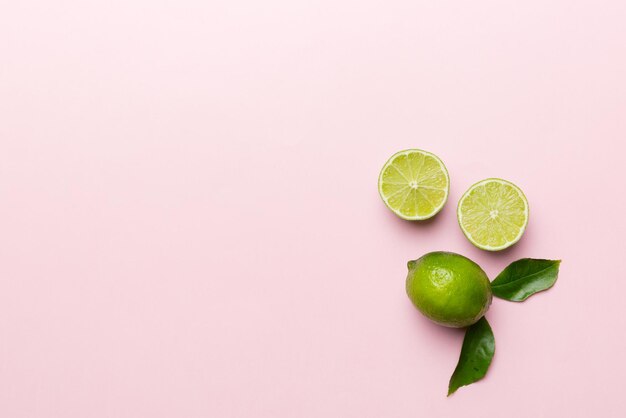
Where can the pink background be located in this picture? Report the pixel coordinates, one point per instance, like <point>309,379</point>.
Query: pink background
<point>190,225</point>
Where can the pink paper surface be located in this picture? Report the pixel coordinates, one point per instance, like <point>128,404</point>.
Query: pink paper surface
<point>190,224</point>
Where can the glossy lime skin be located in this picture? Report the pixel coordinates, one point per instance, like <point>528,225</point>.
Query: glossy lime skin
<point>448,288</point>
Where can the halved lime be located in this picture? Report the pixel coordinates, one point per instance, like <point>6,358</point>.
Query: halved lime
<point>493,214</point>
<point>414,184</point>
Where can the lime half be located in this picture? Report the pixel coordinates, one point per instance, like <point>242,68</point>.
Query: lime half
<point>493,214</point>
<point>414,184</point>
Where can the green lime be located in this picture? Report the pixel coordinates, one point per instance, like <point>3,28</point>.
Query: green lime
<point>414,184</point>
<point>493,214</point>
<point>448,288</point>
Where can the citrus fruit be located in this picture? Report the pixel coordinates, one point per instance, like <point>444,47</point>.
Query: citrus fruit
<point>414,184</point>
<point>493,214</point>
<point>448,288</point>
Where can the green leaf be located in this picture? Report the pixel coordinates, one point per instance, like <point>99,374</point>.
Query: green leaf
<point>476,354</point>
<point>523,278</point>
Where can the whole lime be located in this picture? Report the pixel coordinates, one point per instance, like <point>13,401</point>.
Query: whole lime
<point>448,288</point>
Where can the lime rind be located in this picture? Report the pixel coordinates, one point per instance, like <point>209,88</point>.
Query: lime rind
<point>429,174</point>
<point>521,228</point>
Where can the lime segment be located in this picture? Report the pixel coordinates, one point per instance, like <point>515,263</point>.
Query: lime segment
<point>493,214</point>
<point>414,184</point>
